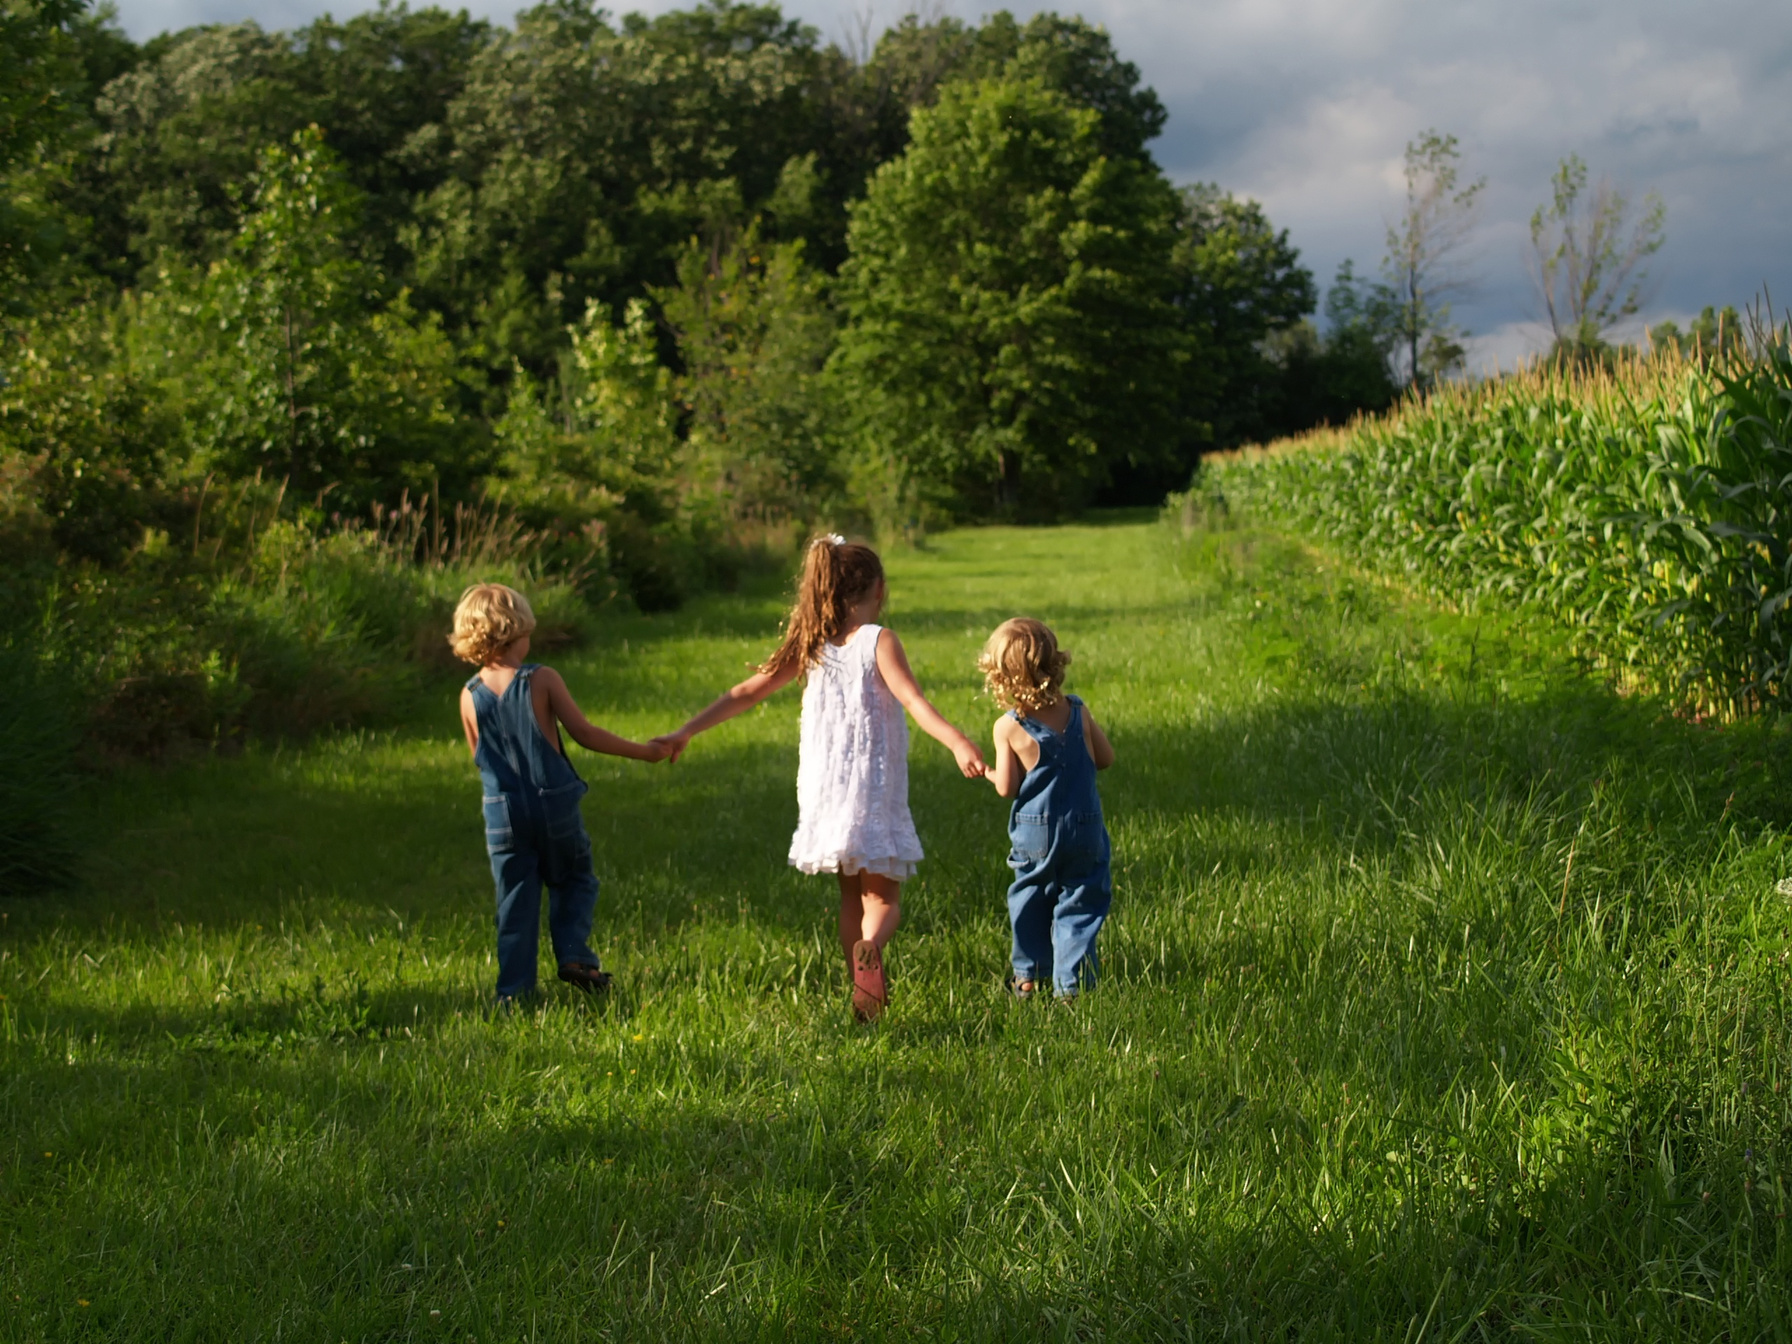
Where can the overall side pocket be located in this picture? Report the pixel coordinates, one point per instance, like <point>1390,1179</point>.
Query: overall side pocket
<point>1029,841</point>
<point>499,837</point>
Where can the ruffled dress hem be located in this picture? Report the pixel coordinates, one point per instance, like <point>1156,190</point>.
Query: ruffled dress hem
<point>897,870</point>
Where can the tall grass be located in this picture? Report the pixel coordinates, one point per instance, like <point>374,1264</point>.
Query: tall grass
<point>267,623</point>
<point>1645,504</point>
<point>262,625</point>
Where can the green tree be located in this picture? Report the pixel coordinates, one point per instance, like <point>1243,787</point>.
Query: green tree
<point>1709,334</point>
<point>1424,261</point>
<point>40,112</point>
<point>284,359</point>
<point>1239,283</point>
<point>870,93</point>
<point>1327,377</point>
<point>1008,323</point>
<point>594,454</point>
<point>1590,257</point>
<point>189,122</point>
<point>754,332</point>
<point>582,156</point>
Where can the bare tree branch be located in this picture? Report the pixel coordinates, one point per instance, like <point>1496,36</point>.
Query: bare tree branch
<point>1424,264</point>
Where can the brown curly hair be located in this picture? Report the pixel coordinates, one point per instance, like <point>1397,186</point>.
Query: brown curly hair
<point>837,576</point>
<point>1022,665</point>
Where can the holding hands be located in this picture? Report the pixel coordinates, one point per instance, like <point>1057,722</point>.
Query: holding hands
<point>970,760</point>
<point>670,745</point>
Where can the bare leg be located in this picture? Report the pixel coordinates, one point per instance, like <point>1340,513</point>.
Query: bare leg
<point>880,900</point>
<point>869,911</point>
<point>852,914</point>
<point>870,908</point>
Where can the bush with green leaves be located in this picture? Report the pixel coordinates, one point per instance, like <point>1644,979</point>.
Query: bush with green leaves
<point>287,358</point>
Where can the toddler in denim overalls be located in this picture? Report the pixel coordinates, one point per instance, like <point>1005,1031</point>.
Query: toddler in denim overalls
<point>533,830</point>
<point>1048,748</point>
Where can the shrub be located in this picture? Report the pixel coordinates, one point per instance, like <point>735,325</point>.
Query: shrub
<point>38,736</point>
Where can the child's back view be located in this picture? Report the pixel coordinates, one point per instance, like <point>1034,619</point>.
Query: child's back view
<point>852,774</point>
<point>512,712</point>
<point>1048,748</point>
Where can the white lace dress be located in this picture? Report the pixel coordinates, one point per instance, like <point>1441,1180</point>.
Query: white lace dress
<point>852,778</point>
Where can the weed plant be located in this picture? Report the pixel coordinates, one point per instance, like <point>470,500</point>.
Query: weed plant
<point>1444,997</point>
<point>1643,504</point>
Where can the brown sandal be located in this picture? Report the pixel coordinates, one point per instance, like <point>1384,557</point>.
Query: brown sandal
<point>870,992</point>
<point>586,977</point>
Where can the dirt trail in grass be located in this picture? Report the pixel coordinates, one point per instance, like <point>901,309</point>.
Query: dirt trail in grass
<point>1442,986</point>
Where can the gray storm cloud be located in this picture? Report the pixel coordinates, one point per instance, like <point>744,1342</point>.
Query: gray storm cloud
<point>1307,105</point>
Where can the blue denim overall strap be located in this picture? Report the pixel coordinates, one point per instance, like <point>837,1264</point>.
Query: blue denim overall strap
<point>1062,784</point>
<point>1061,859</point>
<point>533,834</point>
<point>515,757</point>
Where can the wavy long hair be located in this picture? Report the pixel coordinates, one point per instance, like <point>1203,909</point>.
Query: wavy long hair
<point>837,576</point>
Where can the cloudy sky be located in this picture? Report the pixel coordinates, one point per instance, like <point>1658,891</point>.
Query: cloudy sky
<point>1307,105</point>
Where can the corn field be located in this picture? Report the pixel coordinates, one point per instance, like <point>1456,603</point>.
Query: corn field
<point>1646,505</point>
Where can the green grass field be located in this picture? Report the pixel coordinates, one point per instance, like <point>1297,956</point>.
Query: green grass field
<point>1446,998</point>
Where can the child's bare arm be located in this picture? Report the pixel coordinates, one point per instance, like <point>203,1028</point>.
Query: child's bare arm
<point>731,702</point>
<point>469,721</point>
<point>1007,772</point>
<point>892,665</point>
<point>587,734</point>
<point>1100,750</point>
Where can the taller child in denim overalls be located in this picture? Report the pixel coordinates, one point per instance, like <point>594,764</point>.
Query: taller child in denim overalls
<point>512,711</point>
<point>1048,748</point>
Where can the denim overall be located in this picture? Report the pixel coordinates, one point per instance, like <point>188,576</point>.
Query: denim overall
<point>1062,885</point>
<point>533,833</point>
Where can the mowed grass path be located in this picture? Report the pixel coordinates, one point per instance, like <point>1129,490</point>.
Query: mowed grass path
<point>1445,998</point>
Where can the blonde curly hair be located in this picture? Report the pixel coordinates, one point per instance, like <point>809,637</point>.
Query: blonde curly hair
<point>1022,665</point>
<point>488,617</point>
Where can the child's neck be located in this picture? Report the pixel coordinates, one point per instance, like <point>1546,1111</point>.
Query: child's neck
<point>862,614</point>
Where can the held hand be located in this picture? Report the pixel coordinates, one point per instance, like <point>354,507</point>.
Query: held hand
<point>970,760</point>
<point>672,745</point>
<point>656,751</point>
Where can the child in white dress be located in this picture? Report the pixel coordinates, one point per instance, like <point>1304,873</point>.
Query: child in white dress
<point>852,779</point>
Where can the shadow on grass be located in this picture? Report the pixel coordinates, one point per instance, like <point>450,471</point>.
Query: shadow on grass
<point>750,1209</point>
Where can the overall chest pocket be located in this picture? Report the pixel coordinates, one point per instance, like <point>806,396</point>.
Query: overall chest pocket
<point>560,810</point>
<point>500,838</point>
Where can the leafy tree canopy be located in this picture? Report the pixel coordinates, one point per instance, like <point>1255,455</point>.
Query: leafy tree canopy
<point>1006,298</point>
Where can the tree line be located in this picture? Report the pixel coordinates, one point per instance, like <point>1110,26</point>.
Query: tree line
<point>674,282</point>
